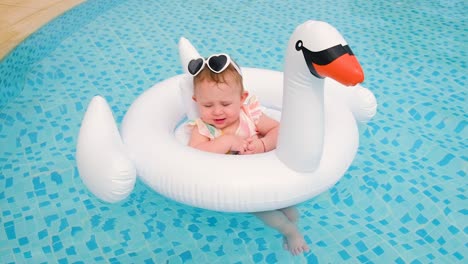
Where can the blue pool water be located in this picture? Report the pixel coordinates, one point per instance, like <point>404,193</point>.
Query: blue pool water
<point>402,201</point>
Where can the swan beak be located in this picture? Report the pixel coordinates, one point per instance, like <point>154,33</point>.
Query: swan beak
<point>344,69</point>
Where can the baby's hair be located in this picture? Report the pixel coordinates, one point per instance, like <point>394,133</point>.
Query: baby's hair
<point>207,74</point>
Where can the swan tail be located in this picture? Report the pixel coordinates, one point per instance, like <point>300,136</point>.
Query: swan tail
<point>102,161</point>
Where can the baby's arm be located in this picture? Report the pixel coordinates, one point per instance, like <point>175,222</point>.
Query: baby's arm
<point>222,144</point>
<point>267,128</point>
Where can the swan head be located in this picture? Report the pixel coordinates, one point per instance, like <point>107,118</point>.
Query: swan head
<point>325,52</point>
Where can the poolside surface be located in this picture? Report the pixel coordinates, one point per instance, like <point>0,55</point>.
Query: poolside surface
<point>20,18</point>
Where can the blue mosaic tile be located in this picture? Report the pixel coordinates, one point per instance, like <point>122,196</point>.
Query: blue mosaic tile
<point>403,200</point>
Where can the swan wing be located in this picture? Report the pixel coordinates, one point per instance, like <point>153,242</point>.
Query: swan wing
<point>102,161</point>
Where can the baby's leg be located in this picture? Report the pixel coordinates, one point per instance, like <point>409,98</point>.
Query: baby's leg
<point>278,220</point>
<point>291,213</point>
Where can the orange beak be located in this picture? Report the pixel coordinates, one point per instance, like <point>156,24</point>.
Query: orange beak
<point>344,69</point>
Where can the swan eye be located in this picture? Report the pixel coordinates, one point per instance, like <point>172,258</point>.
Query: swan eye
<point>299,45</point>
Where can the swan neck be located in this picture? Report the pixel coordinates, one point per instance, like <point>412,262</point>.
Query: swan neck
<point>300,140</point>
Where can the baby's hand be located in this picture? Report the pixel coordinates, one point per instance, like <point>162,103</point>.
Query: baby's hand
<point>238,145</point>
<point>254,145</point>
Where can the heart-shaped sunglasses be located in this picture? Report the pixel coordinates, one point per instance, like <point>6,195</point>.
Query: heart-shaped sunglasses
<point>217,63</point>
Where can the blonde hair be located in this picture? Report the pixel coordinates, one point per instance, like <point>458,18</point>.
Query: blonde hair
<point>230,73</point>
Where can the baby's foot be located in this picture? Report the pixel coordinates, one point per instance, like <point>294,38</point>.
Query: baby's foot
<point>296,244</point>
<point>285,243</point>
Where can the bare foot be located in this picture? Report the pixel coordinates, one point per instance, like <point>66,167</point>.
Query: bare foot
<point>285,243</point>
<point>296,244</point>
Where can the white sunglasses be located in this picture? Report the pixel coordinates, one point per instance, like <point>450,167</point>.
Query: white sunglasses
<point>217,63</point>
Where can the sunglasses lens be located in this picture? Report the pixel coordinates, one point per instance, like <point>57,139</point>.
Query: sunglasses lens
<point>195,66</point>
<point>218,63</point>
<point>348,50</point>
<point>327,56</point>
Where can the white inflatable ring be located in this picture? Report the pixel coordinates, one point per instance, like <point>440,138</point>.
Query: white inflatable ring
<point>227,182</point>
<point>233,183</point>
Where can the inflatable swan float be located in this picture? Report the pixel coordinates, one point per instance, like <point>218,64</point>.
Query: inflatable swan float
<point>317,142</point>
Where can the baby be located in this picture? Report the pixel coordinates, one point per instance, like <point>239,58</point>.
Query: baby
<point>231,124</point>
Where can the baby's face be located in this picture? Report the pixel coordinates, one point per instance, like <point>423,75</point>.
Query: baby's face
<point>219,103</point>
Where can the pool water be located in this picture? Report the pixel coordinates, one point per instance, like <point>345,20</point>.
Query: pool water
<point>403,200</point>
